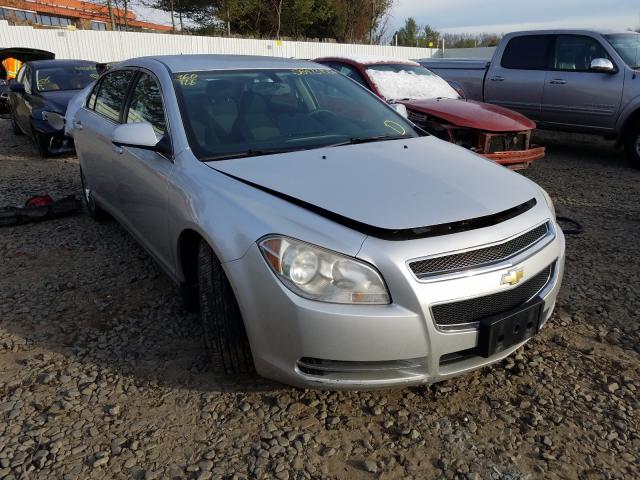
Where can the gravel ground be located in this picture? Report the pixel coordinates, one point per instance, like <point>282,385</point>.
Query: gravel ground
<point>104,375</point>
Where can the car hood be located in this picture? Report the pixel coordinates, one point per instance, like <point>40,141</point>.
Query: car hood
<point>392,185</point>
<point>470,114</point>
<point>57,101</point>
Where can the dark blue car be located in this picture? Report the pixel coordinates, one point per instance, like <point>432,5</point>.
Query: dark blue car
<point>38,100</point>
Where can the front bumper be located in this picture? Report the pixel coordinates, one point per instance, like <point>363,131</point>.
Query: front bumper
<point>53,140</point>
<point>314,344</point>
<point>518,159</point>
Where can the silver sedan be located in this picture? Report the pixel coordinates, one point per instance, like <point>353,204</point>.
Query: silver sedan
<point>325,240</point>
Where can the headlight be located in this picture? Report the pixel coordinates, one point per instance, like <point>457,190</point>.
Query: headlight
<point>547,197</point>
<point>55,119</point>
<point>318,274</point>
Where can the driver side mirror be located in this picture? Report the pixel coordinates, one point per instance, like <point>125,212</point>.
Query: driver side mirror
<point>140,135</point>
<point>16,87</point>
<point>602,65</point>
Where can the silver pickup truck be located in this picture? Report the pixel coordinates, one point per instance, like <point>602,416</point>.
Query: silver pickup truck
<point>574,80</point>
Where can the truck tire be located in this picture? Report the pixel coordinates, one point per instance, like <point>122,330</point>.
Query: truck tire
<point>95,212</point>
<point>224,331</point>
<point>632,146</point>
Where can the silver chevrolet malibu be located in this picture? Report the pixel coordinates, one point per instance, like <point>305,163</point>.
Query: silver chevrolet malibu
<point>326,241</point>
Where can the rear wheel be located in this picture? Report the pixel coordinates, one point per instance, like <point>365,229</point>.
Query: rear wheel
<point>224,330</point>
<point>632,146</point>
<point>93,208</point>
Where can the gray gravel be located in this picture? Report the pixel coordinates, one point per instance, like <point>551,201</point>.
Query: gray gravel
<point>104,375</point>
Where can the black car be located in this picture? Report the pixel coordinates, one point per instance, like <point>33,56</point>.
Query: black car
<point>22,55</point>
<point>39,96</point>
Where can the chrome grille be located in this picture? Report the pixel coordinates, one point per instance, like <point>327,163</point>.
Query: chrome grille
<point>475,309</point>
<point>478,258</point>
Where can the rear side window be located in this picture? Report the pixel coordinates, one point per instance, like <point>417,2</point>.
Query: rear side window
<point>112,90</point>
<point>146,105</point>
<point>530,52</point>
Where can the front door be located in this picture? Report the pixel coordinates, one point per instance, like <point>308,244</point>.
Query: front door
<point>142,175</point>
<point>576,96</point>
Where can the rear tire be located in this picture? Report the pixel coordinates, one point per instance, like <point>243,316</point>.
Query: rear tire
<point>632,146</point>
<point>94,210</point>
<point>224,330</point>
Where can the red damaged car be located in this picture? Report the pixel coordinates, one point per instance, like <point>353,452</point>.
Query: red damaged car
<point>495,132</point>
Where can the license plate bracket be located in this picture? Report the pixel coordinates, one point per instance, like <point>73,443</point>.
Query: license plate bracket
<point>502,331</point>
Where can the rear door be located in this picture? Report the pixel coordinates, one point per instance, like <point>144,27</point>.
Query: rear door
<point>517,80</point>
<point>575,96</point>
<point>93,130</point>
<point>141,175</point>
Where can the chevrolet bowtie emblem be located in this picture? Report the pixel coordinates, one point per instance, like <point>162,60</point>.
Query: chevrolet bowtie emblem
<point>512,277</point>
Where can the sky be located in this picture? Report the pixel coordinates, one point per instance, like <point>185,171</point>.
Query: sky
<point>495,16</point>
<point>502,16</point>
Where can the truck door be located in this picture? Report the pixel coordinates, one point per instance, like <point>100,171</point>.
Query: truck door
<point>517,79</point>
<point>575,95</point>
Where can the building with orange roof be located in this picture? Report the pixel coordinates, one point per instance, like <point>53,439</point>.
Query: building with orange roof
<point>72,14</point>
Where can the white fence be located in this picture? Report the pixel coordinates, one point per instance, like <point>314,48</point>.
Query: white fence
<point>480,53</point>
<point>115,46</point>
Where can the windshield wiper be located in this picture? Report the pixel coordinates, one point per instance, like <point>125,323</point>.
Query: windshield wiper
<point>248,153</point>
<point>378,138</point>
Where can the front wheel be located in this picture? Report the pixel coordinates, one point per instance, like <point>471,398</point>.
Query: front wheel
<point>15,127</point>
<point>224,330</point>
<point>42,142</point>
<point>632,146</point>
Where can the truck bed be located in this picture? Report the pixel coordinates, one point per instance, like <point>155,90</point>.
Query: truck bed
<point>466,74</point>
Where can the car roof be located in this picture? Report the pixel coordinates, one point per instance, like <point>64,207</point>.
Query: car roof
<point>205,62</point>
<point>367,59</point>
<point>59,63</point>
<point>566,31</point>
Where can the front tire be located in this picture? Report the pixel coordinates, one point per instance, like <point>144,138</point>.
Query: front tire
<point>95,212</point>
<point>224,330</point>
<point>42,143</point>
<point>15,127</point>
<point>632,146</point>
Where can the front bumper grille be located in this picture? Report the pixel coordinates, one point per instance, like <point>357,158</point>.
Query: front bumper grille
<point>469,311</point>
<point>338,368</point>
<point>479,257</point>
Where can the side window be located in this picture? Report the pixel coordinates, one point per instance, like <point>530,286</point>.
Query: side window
<point>146,105</point>
<point>530,52</point>
<point>91,100</point>
<point>574,53</point>
<point>353,74</point>
<point>112,91</point>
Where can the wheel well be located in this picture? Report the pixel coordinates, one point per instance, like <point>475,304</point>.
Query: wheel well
<point>633,119</point>
<point>188,254</point>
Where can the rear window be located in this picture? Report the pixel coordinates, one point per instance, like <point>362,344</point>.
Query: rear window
<point>530,52</point>
<point>68,77</point>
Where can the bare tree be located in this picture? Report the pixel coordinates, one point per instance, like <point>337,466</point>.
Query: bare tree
<point>278,5</point>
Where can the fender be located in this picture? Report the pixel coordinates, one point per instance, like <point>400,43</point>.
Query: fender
<point>630,112</point>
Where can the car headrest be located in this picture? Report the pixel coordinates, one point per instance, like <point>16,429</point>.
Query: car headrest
<point>271,89</point>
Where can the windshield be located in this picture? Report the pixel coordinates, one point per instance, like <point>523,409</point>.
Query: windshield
<point>73,77</point>
<point>231,114</point>
<point>401,81</point>
<point>628,47</point>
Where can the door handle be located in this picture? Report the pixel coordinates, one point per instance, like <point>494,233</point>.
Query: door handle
<point>117,149</point>
<point>558,81</point>
<point>497,79</point>
<point>77,124</point>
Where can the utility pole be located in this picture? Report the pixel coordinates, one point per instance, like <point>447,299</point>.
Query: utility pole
<point>110,8</point>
